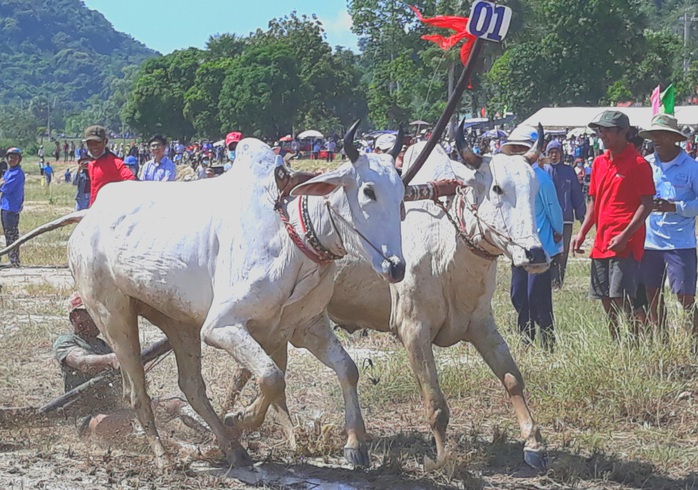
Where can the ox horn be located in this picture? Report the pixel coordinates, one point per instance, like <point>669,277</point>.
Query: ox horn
<point>533,154</point>
<point>349,147</point>
<point>397,147</point>
<point>470,158</point>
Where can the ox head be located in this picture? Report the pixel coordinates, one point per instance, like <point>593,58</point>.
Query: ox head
<point>367,212</point>
<point>504,192</point>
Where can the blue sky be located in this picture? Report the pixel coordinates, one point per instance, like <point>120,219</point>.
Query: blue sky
<point>166,25</point>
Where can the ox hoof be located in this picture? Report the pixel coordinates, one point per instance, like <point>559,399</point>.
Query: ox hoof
<point>357,456</point>
<point>536,458</point>
<point>238,458</point>
<point>430,465</point>
<point>236,421</point>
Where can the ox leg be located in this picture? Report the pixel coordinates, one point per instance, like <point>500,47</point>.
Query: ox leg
<point>417,341</point>
<point>119,324</point>
<point>494,350</point>
<point>320,341</point>
<point>240,379</point>
<point>186,345</point>
<point>280,357</point>
<point>238,342</point>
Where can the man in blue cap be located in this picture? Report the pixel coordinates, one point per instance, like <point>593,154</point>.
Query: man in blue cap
<point>132,163</point>
<point>571,199</point>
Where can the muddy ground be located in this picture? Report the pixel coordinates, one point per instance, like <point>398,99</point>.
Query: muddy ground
<point>483,438</point>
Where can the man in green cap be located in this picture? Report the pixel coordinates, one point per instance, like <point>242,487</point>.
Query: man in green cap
<point>105,167</point>
<point>621,192</point>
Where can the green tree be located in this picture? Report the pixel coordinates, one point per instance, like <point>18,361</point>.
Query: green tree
<point>156,104</point>
<point>262,92</point>
<point>578,52</point>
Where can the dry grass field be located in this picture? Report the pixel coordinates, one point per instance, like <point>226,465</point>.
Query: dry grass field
<point>613,416</point>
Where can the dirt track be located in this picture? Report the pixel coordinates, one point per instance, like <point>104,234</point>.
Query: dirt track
<point>486,449</point>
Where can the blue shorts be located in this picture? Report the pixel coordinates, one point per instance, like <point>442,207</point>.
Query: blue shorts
<point>678,265</point>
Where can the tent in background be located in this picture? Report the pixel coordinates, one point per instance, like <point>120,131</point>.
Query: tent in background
<point>576,117</point>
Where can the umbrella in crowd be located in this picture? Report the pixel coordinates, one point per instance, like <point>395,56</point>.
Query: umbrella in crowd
<point>288,137</point>
<point>494,133</point>
<point>581,132</point>
<point>310,134</point>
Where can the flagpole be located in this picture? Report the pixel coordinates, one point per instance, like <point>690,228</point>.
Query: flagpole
<point>446,116</point>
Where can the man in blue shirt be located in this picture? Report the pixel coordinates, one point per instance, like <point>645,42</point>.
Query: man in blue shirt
<point>531,294</point>
<point>12,188</point>
<point>159,168</point>
<point>571,199</point>
<point>82,181</point>
<point>670,241</point>
<point>48,173</point>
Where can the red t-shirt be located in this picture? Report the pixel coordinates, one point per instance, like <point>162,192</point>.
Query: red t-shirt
<point>106,169</point>
<point>617,185</point>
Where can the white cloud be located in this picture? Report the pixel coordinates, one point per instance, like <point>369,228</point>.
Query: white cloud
<point>338,30</point>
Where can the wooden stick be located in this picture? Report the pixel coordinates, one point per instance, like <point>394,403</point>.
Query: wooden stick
<point>45,414</point>
<point>154,351</point>
<point>446,116</point>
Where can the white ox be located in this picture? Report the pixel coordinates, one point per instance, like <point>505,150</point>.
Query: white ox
<point>212,261</point>
<point>447,292</point>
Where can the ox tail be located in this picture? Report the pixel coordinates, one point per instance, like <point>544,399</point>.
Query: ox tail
<point>68,219</point>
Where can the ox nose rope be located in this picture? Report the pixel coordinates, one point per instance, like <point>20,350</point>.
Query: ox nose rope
<point>462,204</point>
<point>331,210</point>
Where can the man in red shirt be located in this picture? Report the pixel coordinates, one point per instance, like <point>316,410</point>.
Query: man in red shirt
<point>621,191</point>
<point>105,166</point>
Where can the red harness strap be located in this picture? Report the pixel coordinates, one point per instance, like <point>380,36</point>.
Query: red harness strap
<point>295,237</point>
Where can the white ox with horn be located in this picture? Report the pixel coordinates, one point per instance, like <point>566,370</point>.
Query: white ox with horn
<point>231,275</point>
<point>446,296</point>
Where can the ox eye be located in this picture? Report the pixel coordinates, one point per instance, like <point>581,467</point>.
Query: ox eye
<point>370,193</point>
<point>497,190</point>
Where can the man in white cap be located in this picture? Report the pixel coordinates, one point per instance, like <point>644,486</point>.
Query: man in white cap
<point>670,241</point>
<point>385,143</point>
<point>531,294</point>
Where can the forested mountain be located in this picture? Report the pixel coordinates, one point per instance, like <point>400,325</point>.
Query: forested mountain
<point>61,50</point>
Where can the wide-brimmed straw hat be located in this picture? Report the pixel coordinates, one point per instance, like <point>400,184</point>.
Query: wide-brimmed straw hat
<point>663,122</point>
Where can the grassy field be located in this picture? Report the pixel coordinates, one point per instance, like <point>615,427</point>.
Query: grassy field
<point>613,416</point>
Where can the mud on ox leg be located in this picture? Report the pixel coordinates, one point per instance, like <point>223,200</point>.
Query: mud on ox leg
<point>495,352</point>
<point>416,338</point>
<point>280,408</point>
<point>116,319</point>
<point>324,345</point>
<point>186,344</point>
<point>237,341</point>
<point>320,340</point>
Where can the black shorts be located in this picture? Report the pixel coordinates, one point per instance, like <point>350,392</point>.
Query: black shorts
<point>614,278</point>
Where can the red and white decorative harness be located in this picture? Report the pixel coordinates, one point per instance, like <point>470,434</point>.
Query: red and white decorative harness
<point>431,191</point>
<point>316,251</point>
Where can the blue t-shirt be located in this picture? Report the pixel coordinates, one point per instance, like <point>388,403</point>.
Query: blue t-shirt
<point>13,190</point>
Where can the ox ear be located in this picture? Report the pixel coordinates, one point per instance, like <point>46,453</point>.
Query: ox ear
<point>321,185</point>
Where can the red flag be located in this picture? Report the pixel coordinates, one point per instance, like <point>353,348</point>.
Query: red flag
<point>656,100</point>
<point>458,24</point>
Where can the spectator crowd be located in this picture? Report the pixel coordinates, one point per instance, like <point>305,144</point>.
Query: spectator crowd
<point>637,189</point>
